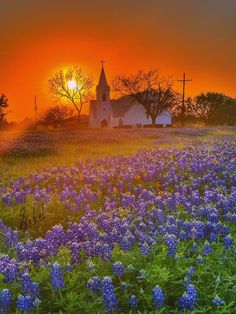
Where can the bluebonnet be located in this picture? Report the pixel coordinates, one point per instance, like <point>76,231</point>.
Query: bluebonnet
<point>109,298</point>
<point>94,284</point>
<point>68,267</point>
<point>5,300</point>
<point>29,287</point>
<point>183,235</point>
<point>123,285</point>
<point>25,303</point>
<point>145,249</point>
<point>200,259</point>
<point>91,266</point>
<point>118,268</point>
<point>213,237</point>
<point>191,271</point>
<point>207,249</point>
<point>133,301</point>
<point>217,301</point>
<point>11,237</point>
<point>10,268</point>
<point>171,243</point>
<point>75,252</point>
<point>57,276</point>
<point>194,247</point>
<point>189,299</point>
<point>106,252</point>
<point>228,242</point>
<point>146,215</point>
<point>187,281</point>
<point>158,297</point>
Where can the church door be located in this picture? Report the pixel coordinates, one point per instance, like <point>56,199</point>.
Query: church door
<point>104,123</point>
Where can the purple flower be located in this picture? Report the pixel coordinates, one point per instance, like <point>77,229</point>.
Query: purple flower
<point>133,301</point>
<point>109,298</point>
<point>57,276</point>
<point>94,284</point>
<point>191,271</point>
<point>123,285</point>
<point>145,249</point>
<point>228,242</point>
<point>5,300</point>
<point>189,298</point>
<point>217,301</point>
<point>25,303</point>
<point>118,269</point>
<point>158,297</point>
<point>171,243</point>
<point>207,249</point>
<point>29,287</point>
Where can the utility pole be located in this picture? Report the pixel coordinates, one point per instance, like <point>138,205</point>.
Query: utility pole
<point>183,81</point>
<point>35,108</point>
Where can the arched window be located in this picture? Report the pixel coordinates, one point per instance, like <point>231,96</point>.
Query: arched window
<point>104,97</point>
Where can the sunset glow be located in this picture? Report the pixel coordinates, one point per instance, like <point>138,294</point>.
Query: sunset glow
<point>72,84</point>
<point>117,156</point>
<point>34,46</point>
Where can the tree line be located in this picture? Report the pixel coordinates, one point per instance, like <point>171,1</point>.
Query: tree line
<point>156,94</point>
<point>151,90</point>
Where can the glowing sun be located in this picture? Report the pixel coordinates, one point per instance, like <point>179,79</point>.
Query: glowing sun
<point>72,84</point>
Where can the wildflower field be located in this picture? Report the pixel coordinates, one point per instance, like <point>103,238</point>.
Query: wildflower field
<point>120,221</point>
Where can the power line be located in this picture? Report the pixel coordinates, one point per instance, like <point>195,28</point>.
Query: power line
<point>183,81</point>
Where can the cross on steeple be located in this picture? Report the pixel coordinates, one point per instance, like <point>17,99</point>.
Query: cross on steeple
<point>102,62</point>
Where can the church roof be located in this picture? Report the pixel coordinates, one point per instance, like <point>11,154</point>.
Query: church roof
<point>102,80</point>
<point>120,106</point>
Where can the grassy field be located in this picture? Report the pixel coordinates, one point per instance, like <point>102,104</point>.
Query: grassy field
<point>21,152</point>
<point>122,221</point>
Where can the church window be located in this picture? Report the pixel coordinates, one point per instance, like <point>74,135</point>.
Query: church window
<point>104,109</point>
<point>120,122</point>
<point>104,97</point>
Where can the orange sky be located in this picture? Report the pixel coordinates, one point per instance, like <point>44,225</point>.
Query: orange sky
<point>41,36</point>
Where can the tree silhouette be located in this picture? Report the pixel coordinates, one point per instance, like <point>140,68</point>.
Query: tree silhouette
<point>204,106</point>
<point>153,92</point>
<point>73,86</point>
<point>56,115</point>
<point>3,106</point>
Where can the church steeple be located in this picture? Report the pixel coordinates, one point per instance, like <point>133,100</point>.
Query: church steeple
<point>103,89</point>
<point>102,80</point>
<point>103,100</point>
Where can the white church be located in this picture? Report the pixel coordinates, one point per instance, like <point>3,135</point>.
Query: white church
<point>123,112</point>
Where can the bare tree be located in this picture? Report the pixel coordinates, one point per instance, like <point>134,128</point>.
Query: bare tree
<point>153,92</point>
<point>73,86</point>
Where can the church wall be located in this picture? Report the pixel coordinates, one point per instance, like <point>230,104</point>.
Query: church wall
<point>164,118</point>
<point>137,116</point>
